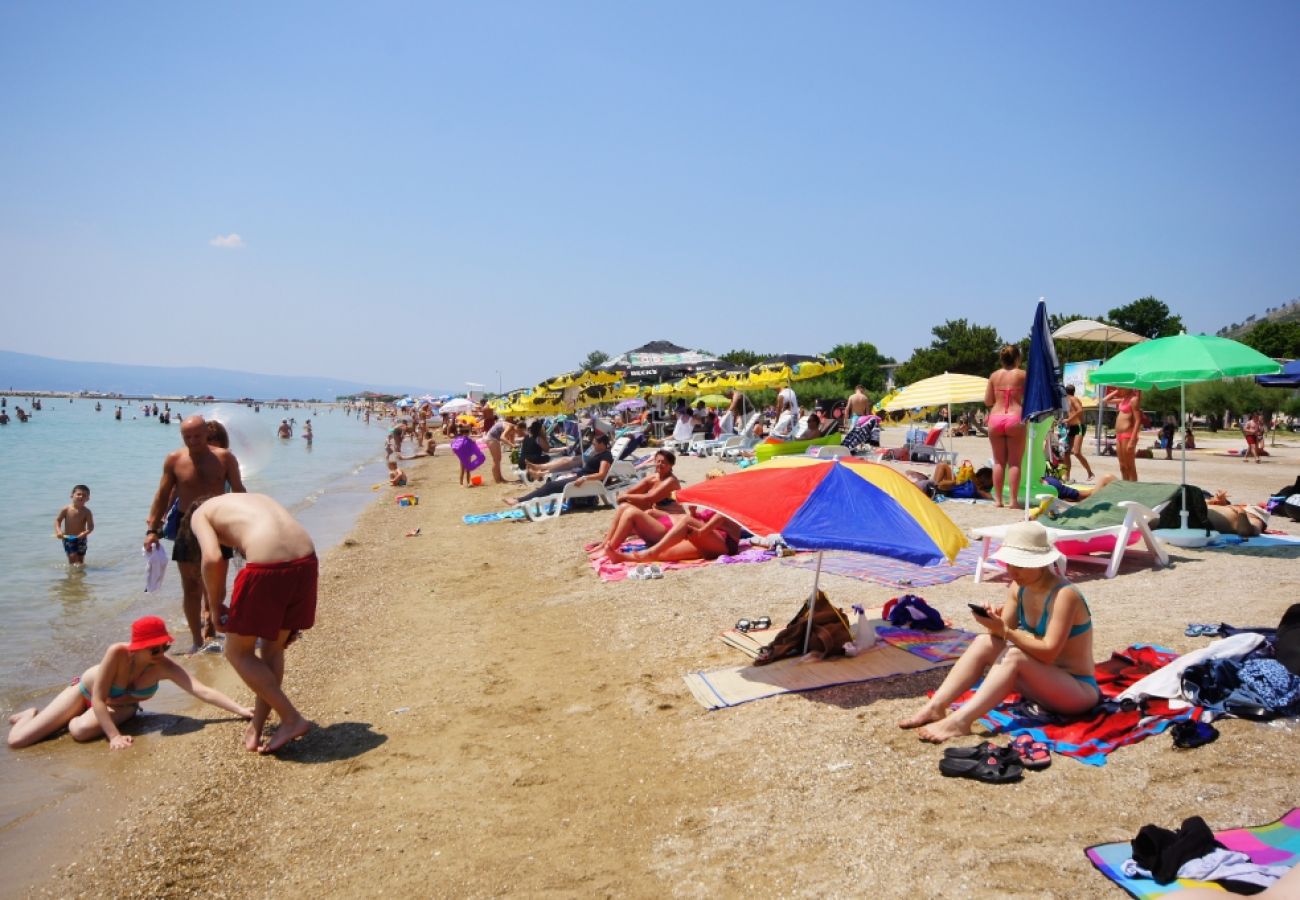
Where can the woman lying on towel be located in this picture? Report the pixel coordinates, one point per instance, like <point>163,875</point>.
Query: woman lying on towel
<point>696,534</point>
<point>1039,643</point>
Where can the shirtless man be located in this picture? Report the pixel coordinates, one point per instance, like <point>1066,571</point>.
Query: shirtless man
<point>1074,432</point>
<point>196,470</point>
<point>858,404</point>
<point>274,598</point>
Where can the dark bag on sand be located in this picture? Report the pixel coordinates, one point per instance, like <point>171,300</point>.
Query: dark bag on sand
<point>1198,515</point>
<point>830,633</point>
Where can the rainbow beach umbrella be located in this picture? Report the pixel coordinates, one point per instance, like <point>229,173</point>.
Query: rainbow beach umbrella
<point>838,504</point>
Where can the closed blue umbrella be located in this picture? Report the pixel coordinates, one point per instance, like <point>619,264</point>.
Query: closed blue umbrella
<point>1044,393</point>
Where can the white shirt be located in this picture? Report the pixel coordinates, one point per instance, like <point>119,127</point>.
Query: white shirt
<point>791,401</point>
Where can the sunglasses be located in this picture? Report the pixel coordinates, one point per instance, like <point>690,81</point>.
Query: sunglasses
<point>159,649</point>
<point>762,623</point>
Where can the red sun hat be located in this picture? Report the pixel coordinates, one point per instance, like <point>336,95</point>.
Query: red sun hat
<point>147,632</point>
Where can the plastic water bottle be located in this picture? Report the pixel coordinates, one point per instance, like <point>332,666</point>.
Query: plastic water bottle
<point>864,634</point>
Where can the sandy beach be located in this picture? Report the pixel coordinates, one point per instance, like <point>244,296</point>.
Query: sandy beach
<point>494,720</point>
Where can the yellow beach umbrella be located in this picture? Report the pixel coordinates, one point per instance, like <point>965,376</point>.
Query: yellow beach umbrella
<point>941,390</point>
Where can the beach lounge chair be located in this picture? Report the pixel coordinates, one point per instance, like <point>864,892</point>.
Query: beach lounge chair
<point>928,448</point>
<point>725,441</point>
<point>621,476</point>
<point>1104,523</point>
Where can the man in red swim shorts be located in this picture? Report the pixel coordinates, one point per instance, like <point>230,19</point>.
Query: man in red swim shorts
<point>273,599</point>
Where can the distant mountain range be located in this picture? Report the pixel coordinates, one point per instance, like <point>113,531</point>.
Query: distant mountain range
<point>21,372</point>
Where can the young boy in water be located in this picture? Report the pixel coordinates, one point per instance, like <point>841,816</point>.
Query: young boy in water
<point>73,525</point>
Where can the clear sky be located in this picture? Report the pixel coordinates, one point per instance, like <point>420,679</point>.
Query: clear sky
<point>432,193</point>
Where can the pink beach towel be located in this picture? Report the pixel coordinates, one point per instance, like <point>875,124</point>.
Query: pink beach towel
<point>609,570</point>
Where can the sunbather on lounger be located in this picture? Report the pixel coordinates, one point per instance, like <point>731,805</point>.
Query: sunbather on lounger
<point>1049,662</point>
<point>696,534</point>
<point>594,469</point>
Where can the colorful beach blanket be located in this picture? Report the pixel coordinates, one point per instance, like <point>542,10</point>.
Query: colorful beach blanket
<point>741,684</point>
<point>886,571</point>
<point>934,646</point>
<point>501,515</point>
<point>1091,738</point>
<point>1274,844</point>
<point>609,570</point>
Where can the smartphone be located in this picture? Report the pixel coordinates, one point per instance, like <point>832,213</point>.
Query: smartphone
<point>979,610</point>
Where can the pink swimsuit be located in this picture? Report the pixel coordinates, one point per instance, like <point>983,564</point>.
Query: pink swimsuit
<point>1003,422</point>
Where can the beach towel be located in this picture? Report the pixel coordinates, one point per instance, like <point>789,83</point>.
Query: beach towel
<point>1092,737</point>
<point>886,571</point>
<point>609,570</point>
<point>741,684</point>
<point>932,646</point>
<point>1232,542</point>
<point>501,515</point>
<point>1102,509</point>
<point>1274,844</point>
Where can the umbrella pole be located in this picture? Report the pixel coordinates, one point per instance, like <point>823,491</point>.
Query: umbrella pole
<point>812,602</point>
<point>1182,416</point>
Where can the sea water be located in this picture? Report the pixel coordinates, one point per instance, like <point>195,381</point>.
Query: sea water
<point>56,620</point>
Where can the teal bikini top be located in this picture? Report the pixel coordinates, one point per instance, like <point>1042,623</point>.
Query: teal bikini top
<point>138,695</point>
<point>1041,629</point>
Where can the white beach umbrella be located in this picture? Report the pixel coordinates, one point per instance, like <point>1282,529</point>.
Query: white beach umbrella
<point>459,405</point>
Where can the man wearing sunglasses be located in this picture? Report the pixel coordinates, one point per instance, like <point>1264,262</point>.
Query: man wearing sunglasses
<point>273,599</point>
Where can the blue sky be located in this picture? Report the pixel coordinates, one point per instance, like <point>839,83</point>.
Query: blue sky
<point>439,193</point>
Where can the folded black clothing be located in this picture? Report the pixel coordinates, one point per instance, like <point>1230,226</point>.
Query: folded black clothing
<point>1162,852</point>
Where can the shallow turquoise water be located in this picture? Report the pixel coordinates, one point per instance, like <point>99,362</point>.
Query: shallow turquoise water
<point>57,621</point>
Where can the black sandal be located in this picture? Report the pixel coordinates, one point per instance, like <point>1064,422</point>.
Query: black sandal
<point>989,769</point>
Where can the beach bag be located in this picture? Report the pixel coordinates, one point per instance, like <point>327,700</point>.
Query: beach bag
<point>910,611</point>
<point>173,523</point>
<point>468,452</point>
<point>830,632</point>
<point>965,472</point>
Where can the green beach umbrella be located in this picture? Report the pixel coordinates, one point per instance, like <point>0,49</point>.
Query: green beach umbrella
<point>1178,361</point>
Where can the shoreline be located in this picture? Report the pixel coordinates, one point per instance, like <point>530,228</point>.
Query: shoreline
<point>493,719</point>
<point>49,792</point>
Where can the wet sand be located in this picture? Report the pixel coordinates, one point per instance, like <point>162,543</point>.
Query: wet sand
<point>495,720</point>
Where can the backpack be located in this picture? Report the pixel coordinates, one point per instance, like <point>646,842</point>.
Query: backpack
<point>830,633</point>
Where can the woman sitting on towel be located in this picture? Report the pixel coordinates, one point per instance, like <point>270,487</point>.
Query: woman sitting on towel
<point>1039,643</point>
<point>108,694</point>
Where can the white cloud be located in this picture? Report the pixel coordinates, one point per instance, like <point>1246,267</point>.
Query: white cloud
<point>230,241</point>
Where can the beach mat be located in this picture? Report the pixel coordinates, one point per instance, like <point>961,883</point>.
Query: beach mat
<point>1092,737</point>
<point>1274,844</point>
<point>885,571</point>
<point>609,570</point>
<point>741,684</point>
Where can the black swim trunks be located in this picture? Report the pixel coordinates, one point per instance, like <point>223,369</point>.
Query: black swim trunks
<point>1072,430</point>
<point>74,546</point>
<point>184,551</point>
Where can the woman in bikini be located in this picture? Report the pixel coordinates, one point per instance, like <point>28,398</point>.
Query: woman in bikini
<point>1128,428</point>
<point>1003,397</point>
<point>696,534</point>
<point>1039,643</point>
<point>108,694</point>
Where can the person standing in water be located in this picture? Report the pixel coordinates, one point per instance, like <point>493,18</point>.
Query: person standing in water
<point>196,470</point>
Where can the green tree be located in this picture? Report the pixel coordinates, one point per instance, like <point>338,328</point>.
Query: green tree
<point>594,359</point>
<point>1232,398</point>
<point>862,362</point>
<point>1147,317</point>
<point>744,357</point>
<point>1278,339</point>
<point>958,346</point>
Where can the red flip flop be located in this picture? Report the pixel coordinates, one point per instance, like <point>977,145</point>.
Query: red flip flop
<point>1033,754</point>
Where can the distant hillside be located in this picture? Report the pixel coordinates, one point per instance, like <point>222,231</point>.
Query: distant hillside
<point>1287,312</point>
<point>24,372</point>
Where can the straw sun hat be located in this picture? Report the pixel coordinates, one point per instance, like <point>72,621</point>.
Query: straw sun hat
<point>1026,545</point>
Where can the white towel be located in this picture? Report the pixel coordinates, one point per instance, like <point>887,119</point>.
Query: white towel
<point>155,567</point>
